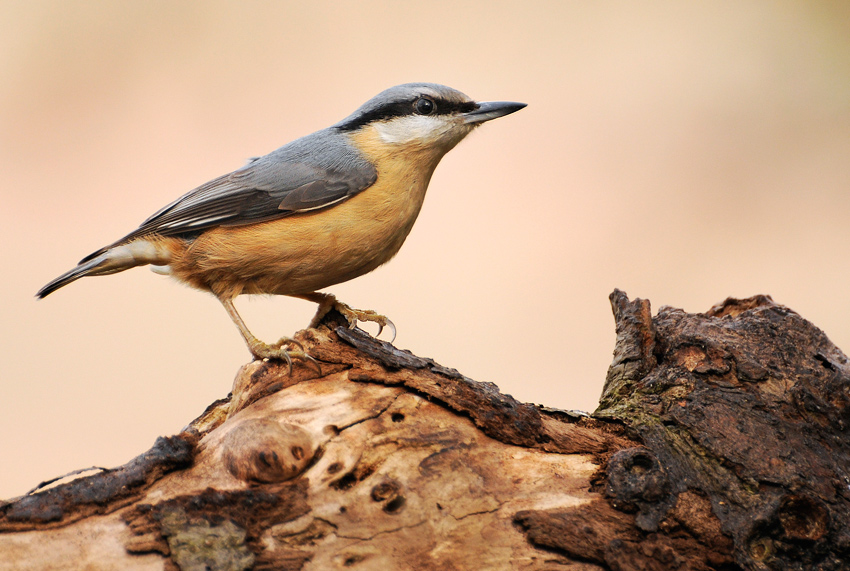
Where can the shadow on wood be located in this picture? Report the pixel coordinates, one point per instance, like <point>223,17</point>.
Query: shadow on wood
<point>719,443</point>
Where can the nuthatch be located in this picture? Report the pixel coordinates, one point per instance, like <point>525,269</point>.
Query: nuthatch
<point>319,211</point>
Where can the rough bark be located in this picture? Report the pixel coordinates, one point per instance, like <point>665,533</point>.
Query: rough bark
<point>719,443</point>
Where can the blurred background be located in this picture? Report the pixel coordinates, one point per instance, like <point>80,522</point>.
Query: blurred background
<point>683,152</point>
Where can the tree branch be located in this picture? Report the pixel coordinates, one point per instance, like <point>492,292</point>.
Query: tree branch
<point>720,442</point>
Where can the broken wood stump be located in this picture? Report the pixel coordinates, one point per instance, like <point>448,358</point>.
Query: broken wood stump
<point>720,443</point>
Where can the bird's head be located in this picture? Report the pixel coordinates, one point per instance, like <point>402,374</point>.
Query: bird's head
<point>423,116</point>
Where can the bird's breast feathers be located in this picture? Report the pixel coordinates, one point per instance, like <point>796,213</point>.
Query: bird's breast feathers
<point>313,250</point>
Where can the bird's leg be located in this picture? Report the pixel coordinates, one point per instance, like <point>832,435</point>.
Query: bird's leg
<point>285,349</point>
<point>328,301</point>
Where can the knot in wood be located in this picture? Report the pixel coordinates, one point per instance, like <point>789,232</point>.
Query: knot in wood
<point>390,492</point>
<point>635,474</point>
<point>637,482</point>
<point>264,450</point>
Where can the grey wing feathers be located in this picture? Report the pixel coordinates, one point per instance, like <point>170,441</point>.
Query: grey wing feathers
<point>314,172</point>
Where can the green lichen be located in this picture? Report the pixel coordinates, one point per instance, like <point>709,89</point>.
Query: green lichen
<point>198,545</point>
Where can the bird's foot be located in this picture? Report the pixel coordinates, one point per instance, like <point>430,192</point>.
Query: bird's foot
<point>353,316</point>
<point>286,349</point>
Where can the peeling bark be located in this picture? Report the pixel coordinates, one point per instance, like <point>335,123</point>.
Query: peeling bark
<point>719,443</point>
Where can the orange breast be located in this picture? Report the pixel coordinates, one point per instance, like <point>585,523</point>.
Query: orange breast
<point>306,252</point>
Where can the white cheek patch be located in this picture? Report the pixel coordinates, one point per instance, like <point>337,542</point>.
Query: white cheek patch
<point>422,129</point>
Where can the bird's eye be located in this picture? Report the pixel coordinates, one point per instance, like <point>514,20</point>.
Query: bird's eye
<point>424,106</point>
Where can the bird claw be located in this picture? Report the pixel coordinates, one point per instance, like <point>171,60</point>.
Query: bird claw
<point>327,302</point>
<point>288,341</point>
<point>282,351</point>
<point>388,323</point>
<point>355,315</point>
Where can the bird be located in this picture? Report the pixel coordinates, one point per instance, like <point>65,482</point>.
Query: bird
<point>321,210</point>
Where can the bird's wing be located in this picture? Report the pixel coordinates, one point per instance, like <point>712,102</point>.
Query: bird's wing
<point>262,190</point>
<point>273,186</point>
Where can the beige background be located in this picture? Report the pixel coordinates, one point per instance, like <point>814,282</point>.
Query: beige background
<point>681,151</point>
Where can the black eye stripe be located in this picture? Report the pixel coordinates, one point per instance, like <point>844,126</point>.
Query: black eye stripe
<point>405,107</point>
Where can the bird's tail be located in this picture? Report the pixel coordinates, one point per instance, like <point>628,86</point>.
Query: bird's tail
<point>111,261</point>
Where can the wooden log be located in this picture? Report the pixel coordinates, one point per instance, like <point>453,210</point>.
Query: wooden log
<point>720,442</point>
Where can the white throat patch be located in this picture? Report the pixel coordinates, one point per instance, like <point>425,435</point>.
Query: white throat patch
<point>420,129</point>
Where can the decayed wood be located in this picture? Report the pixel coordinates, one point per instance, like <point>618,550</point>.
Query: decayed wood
<point>720,443</point>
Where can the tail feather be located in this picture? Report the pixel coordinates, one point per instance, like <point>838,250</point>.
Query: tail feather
<point>69,276</point>
<point>111,261</point>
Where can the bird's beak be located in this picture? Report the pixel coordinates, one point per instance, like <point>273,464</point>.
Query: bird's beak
<point>491,110</point>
